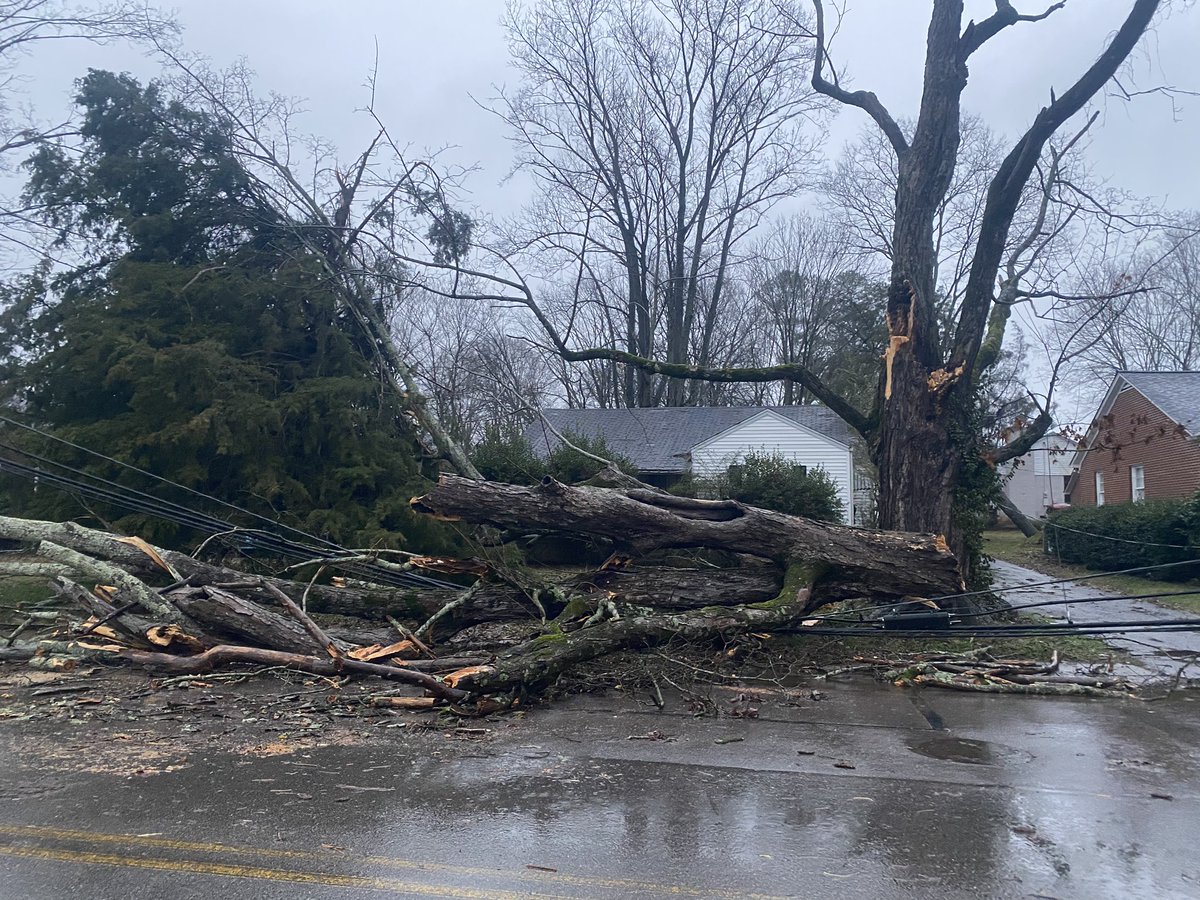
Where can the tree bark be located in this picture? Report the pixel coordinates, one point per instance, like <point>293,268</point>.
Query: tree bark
<point>854,562</point>
<point>539,662</point>
<point>1018,518</point>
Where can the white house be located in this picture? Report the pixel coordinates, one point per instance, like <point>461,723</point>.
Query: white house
<point>1038,480</point>
<point>668,443</point>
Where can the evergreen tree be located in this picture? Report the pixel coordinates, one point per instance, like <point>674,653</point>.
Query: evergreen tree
<point>193,342</point>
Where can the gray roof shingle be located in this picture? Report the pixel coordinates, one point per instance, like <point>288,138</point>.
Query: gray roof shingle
<point>1177,394</point>
<point>656,440</point>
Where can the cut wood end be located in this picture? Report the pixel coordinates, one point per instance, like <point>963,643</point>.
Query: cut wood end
<point>941,544</point>
<point>379,651</point>
<point>168,635</point>
<point>455,677</point>
<point>403,702</point>
<point>941,379</point>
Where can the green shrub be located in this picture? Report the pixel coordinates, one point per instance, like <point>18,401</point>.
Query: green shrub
<point>771,481</point>
<point>504,455</point>
<point>570,466</point>
<point>1128,536</point>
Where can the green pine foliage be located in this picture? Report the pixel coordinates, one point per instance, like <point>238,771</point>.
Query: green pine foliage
<point>197,343</point>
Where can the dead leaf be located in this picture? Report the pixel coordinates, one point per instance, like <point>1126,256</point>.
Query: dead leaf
<point>808,623</point>
<point>540,868</point>
<point>842,764</point>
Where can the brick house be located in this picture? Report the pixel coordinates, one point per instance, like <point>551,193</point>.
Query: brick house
<point>1144,442</point>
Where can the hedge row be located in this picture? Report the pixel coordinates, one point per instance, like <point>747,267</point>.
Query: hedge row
<point>1128,536</point>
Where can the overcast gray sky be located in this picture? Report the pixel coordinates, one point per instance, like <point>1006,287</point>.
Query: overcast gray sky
<point>436,56</point>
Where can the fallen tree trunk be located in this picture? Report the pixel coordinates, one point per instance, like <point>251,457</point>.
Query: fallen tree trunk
<point>788,567</point>
<point>849,562</point>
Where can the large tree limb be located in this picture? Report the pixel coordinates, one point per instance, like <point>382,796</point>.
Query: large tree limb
<point>859,562</point>
<point>1005,190</point>
<point>976,35</point>
<point>133,588</point>
<point>801,375</point>
<point>539,662</point>
<point>864,100</point>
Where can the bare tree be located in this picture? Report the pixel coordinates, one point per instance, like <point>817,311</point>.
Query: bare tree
<point>919,428</point>
<point>814,306</point>
<point>658,132</point>
<point>1157,328</point>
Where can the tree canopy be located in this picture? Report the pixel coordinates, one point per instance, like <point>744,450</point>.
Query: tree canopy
<point>191,341</point>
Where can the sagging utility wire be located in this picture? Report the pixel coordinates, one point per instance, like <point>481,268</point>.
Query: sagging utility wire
<point>246,539</point>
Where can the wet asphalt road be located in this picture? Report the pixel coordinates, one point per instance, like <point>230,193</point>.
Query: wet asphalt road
<point>949,795</point>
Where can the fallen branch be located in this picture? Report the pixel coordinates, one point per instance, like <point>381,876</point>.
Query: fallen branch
<point>322,639</point>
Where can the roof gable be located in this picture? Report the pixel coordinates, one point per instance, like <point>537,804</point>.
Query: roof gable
<point>1175,394</point>
<point>767,413</point>
<point>660,439</point>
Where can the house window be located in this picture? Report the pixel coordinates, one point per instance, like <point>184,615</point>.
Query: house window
<point>1137,483</point>
<point>1099,488</point>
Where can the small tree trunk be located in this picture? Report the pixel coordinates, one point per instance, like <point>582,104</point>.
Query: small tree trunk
<point>1018,518</point>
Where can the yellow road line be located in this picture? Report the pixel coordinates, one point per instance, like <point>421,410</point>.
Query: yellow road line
<point>163,843</point>
<point>259,873</point>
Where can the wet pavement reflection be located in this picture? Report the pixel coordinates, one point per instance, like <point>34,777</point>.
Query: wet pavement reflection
<point>856,795</point>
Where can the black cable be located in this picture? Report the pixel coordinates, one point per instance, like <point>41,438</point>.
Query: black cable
<point>1008,609</point>
<point>137,501</point>
<point>160,478</point>
<point>1030,630</point>
<point>184,515</point>
<point>1058,581</point>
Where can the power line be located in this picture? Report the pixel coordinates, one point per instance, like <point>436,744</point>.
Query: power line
<point>159,478</point>
<point>1076,600</point>
<point>99,488</point>
<point>1105,537</point>
<point>1057,581</point>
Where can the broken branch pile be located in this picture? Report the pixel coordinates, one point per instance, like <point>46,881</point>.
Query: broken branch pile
<point>980,672</point>
<point>773,571</point>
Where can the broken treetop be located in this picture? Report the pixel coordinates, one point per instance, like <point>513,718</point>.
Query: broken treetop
<point>660,439</point>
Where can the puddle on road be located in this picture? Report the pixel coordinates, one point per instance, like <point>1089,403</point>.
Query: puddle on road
<point>962,750</point>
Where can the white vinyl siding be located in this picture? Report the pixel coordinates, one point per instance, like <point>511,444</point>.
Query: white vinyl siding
<point>1137,483</point>
<point>1099,488</point>
<point>769,432</point>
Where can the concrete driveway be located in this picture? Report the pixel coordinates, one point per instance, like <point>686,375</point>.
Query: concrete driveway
<point>1165,655</point>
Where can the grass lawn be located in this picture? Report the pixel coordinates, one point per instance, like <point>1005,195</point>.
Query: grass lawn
<point>1011,546</point>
